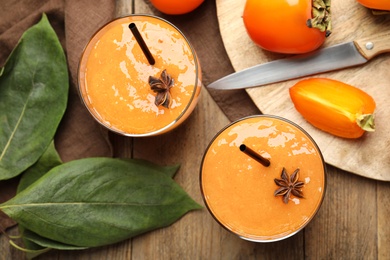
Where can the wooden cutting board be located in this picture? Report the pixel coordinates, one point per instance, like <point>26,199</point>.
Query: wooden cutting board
<point>368,156</point>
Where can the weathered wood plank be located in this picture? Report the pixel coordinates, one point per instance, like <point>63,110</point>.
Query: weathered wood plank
<point>123,8</point>
<point>383,213</point>
<point>346,225</point>
<point>191,235</point>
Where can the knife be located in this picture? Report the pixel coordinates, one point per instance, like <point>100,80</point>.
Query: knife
<point>336,57</point>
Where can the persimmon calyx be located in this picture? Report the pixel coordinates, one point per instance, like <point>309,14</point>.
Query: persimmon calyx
<point>321,16</point>
<point>366,122</point>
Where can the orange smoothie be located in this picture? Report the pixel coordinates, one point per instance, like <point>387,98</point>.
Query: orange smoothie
<point>240,192</point>
<point>114,76</point>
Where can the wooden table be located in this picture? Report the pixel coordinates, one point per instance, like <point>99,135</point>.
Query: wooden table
<point>351,224</point>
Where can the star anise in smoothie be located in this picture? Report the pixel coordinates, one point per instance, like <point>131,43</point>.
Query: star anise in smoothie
<point>289,185</point>
<point>162,87</point>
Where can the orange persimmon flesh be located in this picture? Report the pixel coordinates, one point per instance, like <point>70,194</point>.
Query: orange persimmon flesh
<point>334,107</point>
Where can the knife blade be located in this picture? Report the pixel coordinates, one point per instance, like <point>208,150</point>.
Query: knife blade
<point>332,58</point>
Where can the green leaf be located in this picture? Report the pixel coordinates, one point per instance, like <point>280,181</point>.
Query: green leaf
<point>42,242</point>
<point>33,96</point>
<point>98,201</point>
<point>169,170</point>
<point>48,160</point>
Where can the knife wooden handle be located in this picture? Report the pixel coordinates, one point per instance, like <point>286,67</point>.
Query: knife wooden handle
<point>371,46</point>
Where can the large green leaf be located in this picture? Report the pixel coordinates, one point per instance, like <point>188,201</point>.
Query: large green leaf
<point>98,201</point>
<point>49,159</point>
<point>33,96</point>
<point>34,243</point>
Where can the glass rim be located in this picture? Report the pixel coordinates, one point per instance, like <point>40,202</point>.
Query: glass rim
<point>84,58</point>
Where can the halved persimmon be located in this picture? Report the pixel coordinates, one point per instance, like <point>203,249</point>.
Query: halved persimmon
<point>334,106</point>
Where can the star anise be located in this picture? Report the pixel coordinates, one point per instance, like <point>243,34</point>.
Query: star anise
<point>162,87</point>
<point>289,185</point>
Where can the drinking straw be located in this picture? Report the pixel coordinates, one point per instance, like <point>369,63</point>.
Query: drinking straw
<point>141,43</point>
<point>248,151</point>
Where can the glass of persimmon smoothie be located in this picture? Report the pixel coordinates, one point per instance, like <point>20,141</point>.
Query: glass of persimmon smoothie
<point>131,94</point>
<point>263,178</point>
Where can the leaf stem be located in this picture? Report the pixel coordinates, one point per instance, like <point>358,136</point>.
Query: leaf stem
<point>4,233</point>
<point>12,243</point>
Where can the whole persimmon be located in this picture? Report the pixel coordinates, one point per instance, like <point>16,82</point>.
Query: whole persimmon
<point>176,7</point>
<point>286,26</point>
<point>376,4</point>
